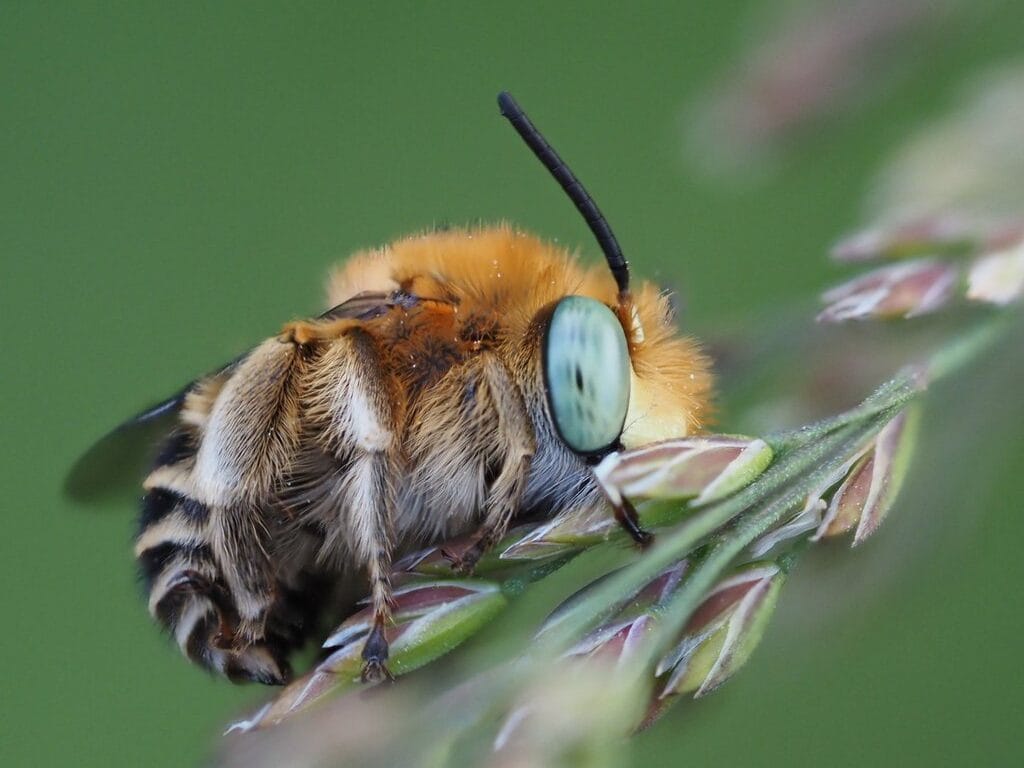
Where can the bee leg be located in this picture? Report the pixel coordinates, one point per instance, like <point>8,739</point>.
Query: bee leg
<point>249,438</point>
<point>375,649</point>
<point>375,655</point>
<point>200,616</point>
<point>351,401</point>
<point>191,581</point>
<point>205,527</point>
<point>372,516</point>
<point>187,595</point>
<point>626,516</point>
<point>514,446</point>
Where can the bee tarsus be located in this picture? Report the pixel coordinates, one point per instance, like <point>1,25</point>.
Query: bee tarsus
<point>464,563</point>
<point>626,516</point>
<point>375,656</point>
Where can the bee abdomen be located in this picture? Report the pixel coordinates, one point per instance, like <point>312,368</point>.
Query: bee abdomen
<point>186,590</point>
<point>174,559</point>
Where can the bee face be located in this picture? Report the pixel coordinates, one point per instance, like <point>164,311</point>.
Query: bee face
<point>459,379</point>
<point>586,374</point>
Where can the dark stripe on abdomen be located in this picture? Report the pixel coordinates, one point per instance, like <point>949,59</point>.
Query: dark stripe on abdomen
<point>153,561</point>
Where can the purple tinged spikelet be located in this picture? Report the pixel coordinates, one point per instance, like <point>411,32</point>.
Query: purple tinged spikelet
<point>903,290</point>
<point>704,468</point>
<point>430,618</point>
<point>723,631</point>
<point>869,489</point>
<point>998,277</point>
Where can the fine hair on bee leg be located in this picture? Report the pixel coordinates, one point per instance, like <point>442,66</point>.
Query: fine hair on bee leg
<point>352,408</point>
<point>514,447</point>
<point>250,439</point>
<point>203,531</point>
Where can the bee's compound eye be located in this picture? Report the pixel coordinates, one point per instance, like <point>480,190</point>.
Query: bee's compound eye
<point>587,373</point>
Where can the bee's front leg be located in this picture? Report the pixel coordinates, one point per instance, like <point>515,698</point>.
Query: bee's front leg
<point>513,441</point>
<point>625,513</point>
<point>627,518</point>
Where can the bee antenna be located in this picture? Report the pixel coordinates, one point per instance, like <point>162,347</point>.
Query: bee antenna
<point>573,188</point>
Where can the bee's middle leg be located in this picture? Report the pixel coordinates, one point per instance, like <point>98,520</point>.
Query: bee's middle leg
<point>352,403</point>
<point>372,515</point>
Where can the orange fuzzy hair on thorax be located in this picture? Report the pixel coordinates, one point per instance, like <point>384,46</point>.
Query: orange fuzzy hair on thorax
<point>506,276</point>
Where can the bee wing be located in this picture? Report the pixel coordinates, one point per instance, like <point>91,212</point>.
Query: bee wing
<point>365,305</point>
<point>112,466</point>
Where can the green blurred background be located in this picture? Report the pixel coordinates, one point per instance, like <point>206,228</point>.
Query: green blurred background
<point>175,181</point>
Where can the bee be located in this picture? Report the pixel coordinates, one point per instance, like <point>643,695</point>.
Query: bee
<point>461,379</point>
